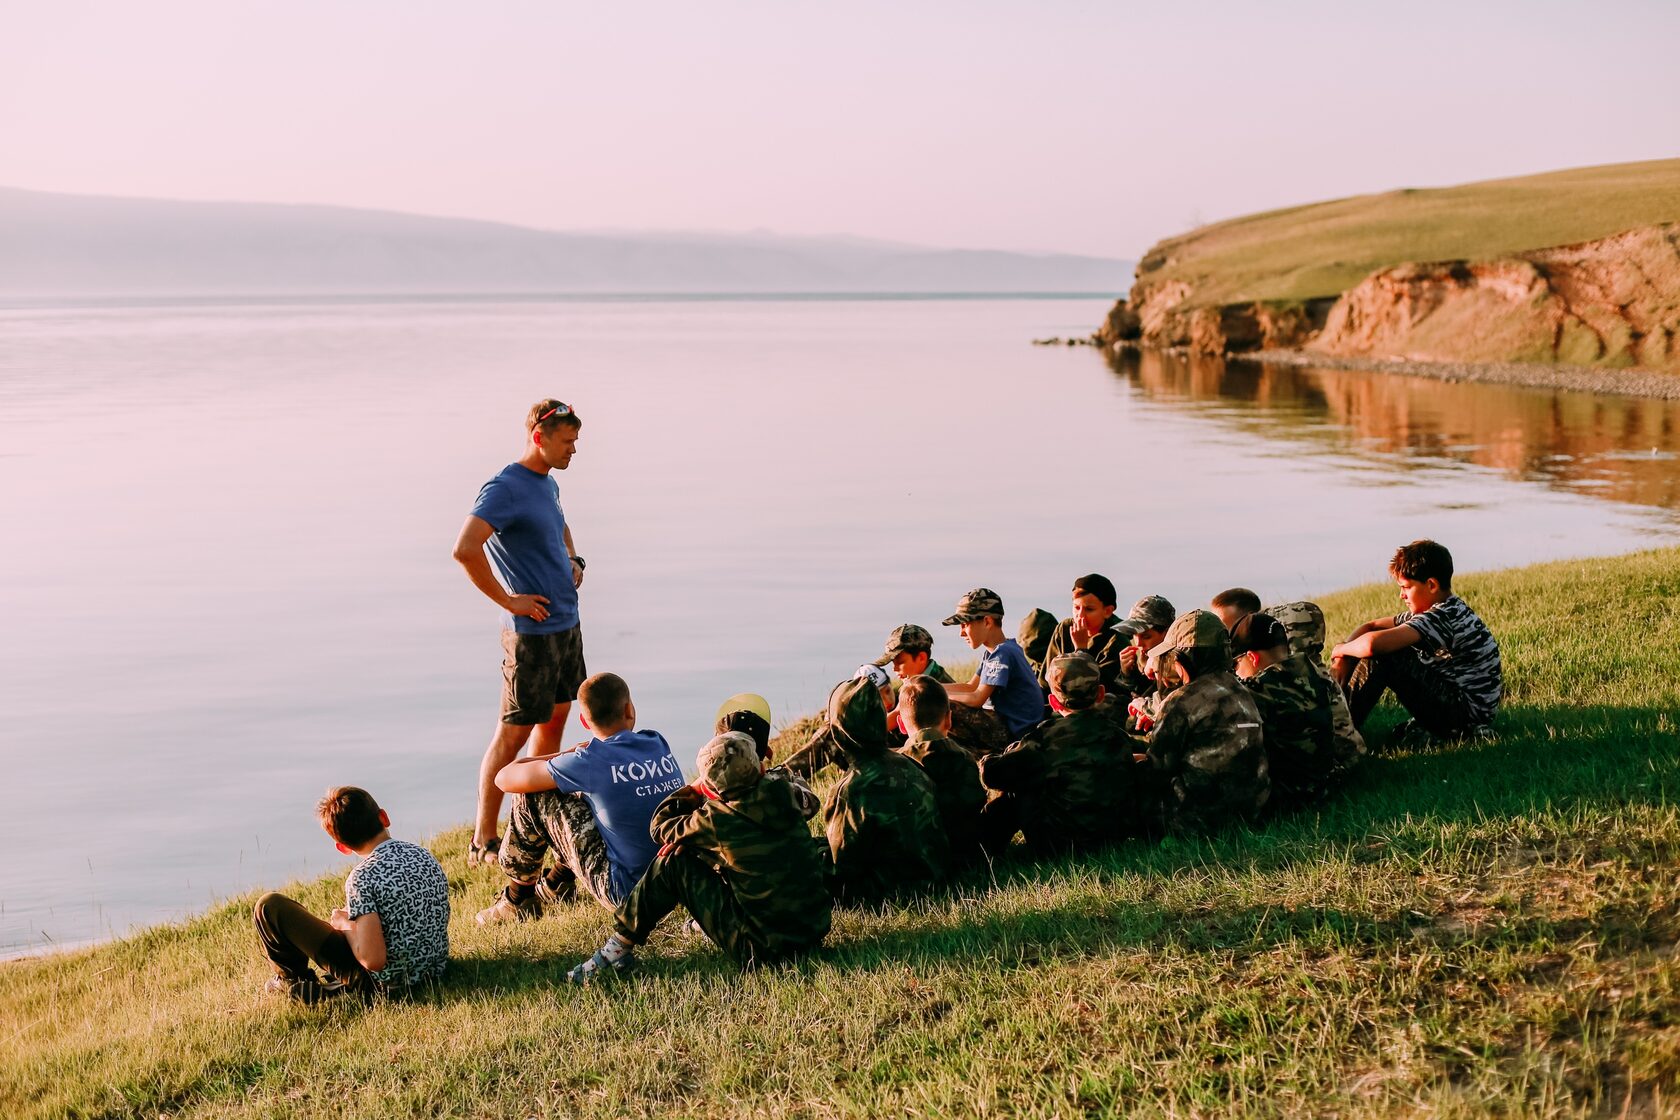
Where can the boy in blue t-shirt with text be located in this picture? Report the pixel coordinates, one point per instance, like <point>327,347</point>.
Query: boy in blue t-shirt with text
<point>592,804</point>
<point>1006,677</point>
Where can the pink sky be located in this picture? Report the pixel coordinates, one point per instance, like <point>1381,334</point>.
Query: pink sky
<point>1078,127</point>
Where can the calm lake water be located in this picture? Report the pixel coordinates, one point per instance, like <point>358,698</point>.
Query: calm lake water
<point>227,582</point>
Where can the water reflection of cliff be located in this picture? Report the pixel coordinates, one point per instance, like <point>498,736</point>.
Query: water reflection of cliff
<point>1622,448</point>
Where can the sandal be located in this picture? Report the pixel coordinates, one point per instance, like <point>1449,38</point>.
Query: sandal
<point>488,855</point>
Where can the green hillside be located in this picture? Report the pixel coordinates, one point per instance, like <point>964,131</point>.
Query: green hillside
<point>1483,931</point>
<point>1324,248</point>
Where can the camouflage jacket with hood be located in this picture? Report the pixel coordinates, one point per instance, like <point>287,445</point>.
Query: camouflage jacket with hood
<point>882,818</point>
<point>760,843</point>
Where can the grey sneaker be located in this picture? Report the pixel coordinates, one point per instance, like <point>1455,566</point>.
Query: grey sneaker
<point>598,969</point>
<point>505,909</point>
<point>307,990</point>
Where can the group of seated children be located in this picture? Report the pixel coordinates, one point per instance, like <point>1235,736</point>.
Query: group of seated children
<point>1084,733</point>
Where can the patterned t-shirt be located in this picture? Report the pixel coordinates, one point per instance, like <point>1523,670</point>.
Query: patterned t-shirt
<point>404,884</point>
<point>1457,644</point>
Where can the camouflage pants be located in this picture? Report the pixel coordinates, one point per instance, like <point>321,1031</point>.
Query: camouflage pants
<point>684,879</point>
<point>565,823</point>
<point>980,731</point>
<point>1009,813</point>
<point>1431,698</point>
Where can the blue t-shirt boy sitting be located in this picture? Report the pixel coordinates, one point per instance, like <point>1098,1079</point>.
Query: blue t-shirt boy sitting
<point>592,804</point>
<point>1006,677</point>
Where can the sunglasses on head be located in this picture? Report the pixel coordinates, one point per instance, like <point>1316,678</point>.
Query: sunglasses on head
<point>557,410</point>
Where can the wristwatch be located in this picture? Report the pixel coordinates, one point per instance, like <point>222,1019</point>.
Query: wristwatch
<point>578,560</point>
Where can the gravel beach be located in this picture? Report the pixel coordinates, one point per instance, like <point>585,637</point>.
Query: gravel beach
<point>1583,379</point>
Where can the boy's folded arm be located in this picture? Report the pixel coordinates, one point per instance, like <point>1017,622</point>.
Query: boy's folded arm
<point>1386,639</point>
<point>1022,763</point>
<point>367,940</point>
<point>678,818</point>
<point>525,775</point>
<point>974,696</point>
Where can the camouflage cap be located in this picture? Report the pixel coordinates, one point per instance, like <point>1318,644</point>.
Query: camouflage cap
<point>908,638</point>
<point>1075,679</point>
<point>1152,612</point>
<point>729,763</point>
<point>1257,631</point>
<point>1195,630</point>
<point>979,603</point>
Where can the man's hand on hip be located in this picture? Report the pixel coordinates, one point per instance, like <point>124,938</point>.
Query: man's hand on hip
<point>533,607</point>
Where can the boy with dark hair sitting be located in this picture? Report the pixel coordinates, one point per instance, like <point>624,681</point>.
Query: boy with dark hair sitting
<point>925,712</point>
<point>1437,655</point>
<point>1208,750</point>
<point>590,803</point>
<point>393,930</point>
<point>1071,782</point>
<point>1092,629</point>
<point>734,852</point>
<point>1302,753</point>
<point>881,818</point>
<point>1006,678</point>
<point>1234,604</point>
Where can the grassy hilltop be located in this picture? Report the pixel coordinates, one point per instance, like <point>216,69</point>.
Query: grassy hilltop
<point>1488,930</point>
<point>1322,249</point>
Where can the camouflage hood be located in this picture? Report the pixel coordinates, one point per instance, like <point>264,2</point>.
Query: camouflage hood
<point>1304,623</point>
<point>857,719</point>
<point>1034,635</point>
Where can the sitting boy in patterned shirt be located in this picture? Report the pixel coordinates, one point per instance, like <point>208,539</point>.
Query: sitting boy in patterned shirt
<point>1437,656</point>
<point>393,931</point>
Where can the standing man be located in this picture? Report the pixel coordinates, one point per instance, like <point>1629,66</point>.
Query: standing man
<point>519,526</point>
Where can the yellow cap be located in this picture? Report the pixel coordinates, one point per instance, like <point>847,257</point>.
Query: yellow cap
<point>746,702</point>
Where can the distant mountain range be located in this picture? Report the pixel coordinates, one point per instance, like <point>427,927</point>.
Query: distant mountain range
<point>71,245</point>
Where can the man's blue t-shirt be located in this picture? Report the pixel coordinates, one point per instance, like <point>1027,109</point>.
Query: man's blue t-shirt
<point>1016,697</point>
<point>625,777</point>
<point>528,547</point>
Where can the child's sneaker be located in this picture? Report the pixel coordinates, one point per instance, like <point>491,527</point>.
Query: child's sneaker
<point>505,909</point>
<point>598,969</point>
<point>307,990</point>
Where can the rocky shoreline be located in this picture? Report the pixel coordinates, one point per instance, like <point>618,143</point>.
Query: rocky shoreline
<point>1629,382</point>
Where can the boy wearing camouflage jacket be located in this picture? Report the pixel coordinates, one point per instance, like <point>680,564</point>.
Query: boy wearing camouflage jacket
<point>882,817</point>
<point>1295,711</point>
<point>925,712</point>
<point>1071,782</point>
<point>1091,629</point>
<point>736,853</point>
<point>1207,749</point>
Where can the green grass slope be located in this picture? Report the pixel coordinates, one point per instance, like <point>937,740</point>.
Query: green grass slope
<point>1323,249</point>
<point>1483,931</point>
